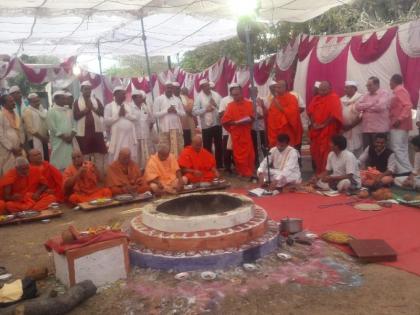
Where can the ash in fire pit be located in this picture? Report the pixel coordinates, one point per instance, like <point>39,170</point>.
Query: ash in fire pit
<point>200,205</point>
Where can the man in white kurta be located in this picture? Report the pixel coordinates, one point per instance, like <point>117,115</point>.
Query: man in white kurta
<point>226,142</point>
<point>143,124</point>
<point>283,165</point>
<point>120,119</point>
<point>168,111</point>
<point>35,122</point>
<point>11,134</point>
<point>352,126</point>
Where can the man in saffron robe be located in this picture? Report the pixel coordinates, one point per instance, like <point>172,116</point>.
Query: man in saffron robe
<point>24,188</point>
<point>124,175</point>
<point>237,120</point>
<point>326,119</point>
<point>162,172</point>
<point>197,164</point>
<point>51,174</point>
<point>81,181</point>
<point>283,116</point>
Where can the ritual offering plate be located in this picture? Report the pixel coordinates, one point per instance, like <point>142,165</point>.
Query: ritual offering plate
<point>205,185</point>
<point>124,197</point>
<point>367,207</point>
<point>100,201</point>
<point>27,214</point>
<point>6,217</point>
<point>208,275</point>
<point>337,237</point>
<point>188,187</point>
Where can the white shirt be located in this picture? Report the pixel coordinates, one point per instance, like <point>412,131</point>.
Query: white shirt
<point>287,162</point>
<point>391,165</point>
<point>344,163</point>
<point>144,119</point>
<point>207,119</point>
<point>350,114</point>
<point>168,121</point>
<point>222,107</point>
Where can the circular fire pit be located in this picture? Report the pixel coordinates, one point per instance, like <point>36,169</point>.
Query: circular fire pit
<point>199,231</point>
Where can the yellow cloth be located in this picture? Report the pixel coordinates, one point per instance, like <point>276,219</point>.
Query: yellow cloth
<point>164,171</point>
<point>11,292</point>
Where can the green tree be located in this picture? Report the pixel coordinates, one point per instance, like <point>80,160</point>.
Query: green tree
<point>135,66</point>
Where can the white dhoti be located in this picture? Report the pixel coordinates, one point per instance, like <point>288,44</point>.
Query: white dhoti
<point>280,178</point>
<point>399,181</point>
<point>399,144</point>
<point>122,136</point>
<point>342,185</point>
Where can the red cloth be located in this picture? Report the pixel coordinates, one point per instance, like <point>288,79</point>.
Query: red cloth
<point>283,116</point>
<point>319,110</point>
<point>202,161</point>
<point>2,207</point>
<point>242,145</point>
<point>56,243</point>
<point>54,179</point>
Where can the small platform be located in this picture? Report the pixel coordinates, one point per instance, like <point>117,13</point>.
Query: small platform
<point>43,215</point>
<point>87,206</point>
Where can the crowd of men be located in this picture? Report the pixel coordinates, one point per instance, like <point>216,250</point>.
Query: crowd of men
<point>80,150</point>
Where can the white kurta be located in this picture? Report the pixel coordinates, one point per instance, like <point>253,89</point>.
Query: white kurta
<point>10,138</point>
<point>122,130</point>
<point>144,120</point>
<point>285,166</point>
<point>168,121</point>
<point>222,107</point>
<point>350,115</point>
<point>202,101</point>
<point>36,122</point>
<point>343,164</point>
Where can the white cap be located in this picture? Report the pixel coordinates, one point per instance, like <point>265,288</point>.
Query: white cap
<point>203,81</point>
<point>14,89</point>
<point>176,84</point>
<point>169,82</point>
<point>138,92</point>
<point>67,93</point>
<point>32,95</point>
<point>350,83</point>
<point>212,85</point>
<point>273,82</point>
<point>59,92</point>
<point>317,84</point>
<point>118,88</point>
<point>86,83</point>
<point>234,85</point>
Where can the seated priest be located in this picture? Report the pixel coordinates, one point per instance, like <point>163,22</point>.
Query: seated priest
<point>196,163</point>
<point>283,165</point>
<point>162,172</point>
<point>24,188</point>
<point>342,170</point>
<point>81,181</point>
<point>412,181</point>
<point>378,164</point>
<point>51,174</point>
<point>124,175</point>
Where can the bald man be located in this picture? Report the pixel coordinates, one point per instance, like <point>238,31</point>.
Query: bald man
<point>24,188</point>
<point>196,163</point>
<point>163,173</point>
<point>124,175</point>
<point>326,119</point>
<point>81,181</point>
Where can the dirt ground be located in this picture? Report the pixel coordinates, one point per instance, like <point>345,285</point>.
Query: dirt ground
<point>383,290</point>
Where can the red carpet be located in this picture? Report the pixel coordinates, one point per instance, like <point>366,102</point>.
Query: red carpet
<point>399,225</point>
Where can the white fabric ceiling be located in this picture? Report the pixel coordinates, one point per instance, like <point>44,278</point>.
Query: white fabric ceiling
<point>64,28</point>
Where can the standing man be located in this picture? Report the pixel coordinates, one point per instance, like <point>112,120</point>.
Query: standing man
<point>374,106</point>
<point>400,122</point>
<point>11,134</point>
<point>119,117</point>
<point>20,102</point>
<point>352,128</point>
<point>143,124</point>
<point>238,119</point>
<point>168,110</point>
<point>226,140</point>
<point>35,122</point>
<point>189,122</point>
<point>88,112</point>
<point>258,129</point>
<point>206,107</point>
<point>325,116</point>
<point>62,131</point>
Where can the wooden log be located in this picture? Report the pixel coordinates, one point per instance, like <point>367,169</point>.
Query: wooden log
<point>54,305</point>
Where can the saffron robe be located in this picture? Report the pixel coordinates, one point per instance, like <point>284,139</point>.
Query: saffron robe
<point>164,171</point>
<point>202,161</point>
<point>2,207</point>
<point>242,146</point>
<point>283,116</point>
<point>117,178</point>
<point>319,110</point>
<point>85,188</point>
<point>26,186</point>
<point>54,179</point>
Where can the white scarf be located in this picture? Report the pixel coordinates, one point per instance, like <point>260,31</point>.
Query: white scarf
<point>98,120</point>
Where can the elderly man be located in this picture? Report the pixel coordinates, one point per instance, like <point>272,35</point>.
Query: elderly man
<point>206,108</point>
<point>163,173</point>
<point>168,110</point>
<point>283,165</point>
<point>35,122</point>
<point>226,141</point>
<point>119,117</point>
<point>62,131</point>
<point>197,164</point>
<point>88,112</point>
<point>24,188</point>
<point>143,124</point>
<point>52,175</point>
<point>374,107</point>
<point>352,128</point>
<point>20,102</point>
<point>124,175</point>
<point>237,120</point>
<point>325,115</point>
<point>189,122</point>
<point>81,181</point>
<point>401,123</point>
<point>11,134</point>
<point>342,170</point>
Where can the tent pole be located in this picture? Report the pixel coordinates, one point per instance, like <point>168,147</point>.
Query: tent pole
<point>99,57</point>
<point>146,54</point>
